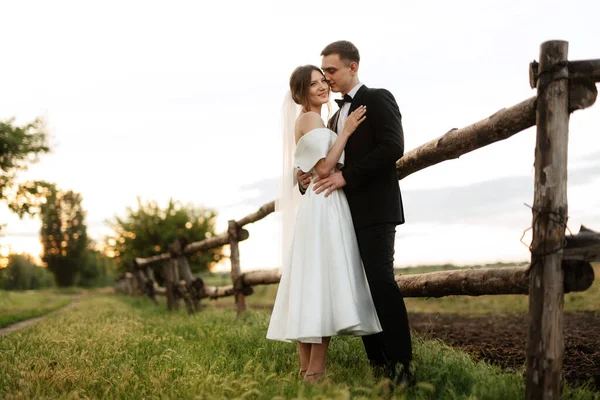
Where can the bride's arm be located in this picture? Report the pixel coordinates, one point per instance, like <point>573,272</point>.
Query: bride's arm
<point>311,121</point>
<point>324,166</point>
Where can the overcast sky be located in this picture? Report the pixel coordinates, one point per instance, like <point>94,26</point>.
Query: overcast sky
<point>182,99</point>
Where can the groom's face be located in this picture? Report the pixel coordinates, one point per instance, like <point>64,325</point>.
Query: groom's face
<point>338,73</point>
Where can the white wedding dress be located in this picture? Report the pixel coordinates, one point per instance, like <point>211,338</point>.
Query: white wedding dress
<point>323,289</point>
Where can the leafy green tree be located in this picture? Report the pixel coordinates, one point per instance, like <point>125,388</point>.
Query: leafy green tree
<point>20,146</point>
<point>63,234</point>
<point>22,273</point>
<point>97,270</point>
<point>150,230</point>
<point>28,198</point>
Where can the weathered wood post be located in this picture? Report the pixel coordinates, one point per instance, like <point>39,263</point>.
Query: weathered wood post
<point>170,281</point>
<point>176,252</point>
<point>144,282</point>
<point>172,264</point>
<point>130,287</point>
<point>240,298</point>
<point>139,278</point>
<point>183,269</point>
<point>194,285</point>
<point>151,283</point>
<point>150,273</point>
<point>545,343</point>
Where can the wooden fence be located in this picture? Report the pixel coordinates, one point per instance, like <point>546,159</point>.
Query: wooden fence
<point>559,263</point>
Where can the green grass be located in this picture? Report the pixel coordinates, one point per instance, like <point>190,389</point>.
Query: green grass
<point>119,347</point>
<point>71,290</point>
<point>18,306</point>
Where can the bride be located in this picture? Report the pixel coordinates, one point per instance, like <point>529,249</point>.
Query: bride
<point>323,289</point>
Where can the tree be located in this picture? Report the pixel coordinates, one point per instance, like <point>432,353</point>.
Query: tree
<point>22,273</point>
<point>150,230</point>
<point>20,146</point>
<point>63,234</point>
<point>96,270</point>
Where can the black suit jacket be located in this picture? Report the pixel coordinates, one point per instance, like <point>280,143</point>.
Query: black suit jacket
<point>372,186</point>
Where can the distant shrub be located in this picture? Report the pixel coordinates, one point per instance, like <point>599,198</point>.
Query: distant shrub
<point>22,273</point>
<point>95,271</point>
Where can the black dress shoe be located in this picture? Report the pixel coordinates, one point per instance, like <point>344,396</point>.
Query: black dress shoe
<point>379,370</point>
<point>400,375</point>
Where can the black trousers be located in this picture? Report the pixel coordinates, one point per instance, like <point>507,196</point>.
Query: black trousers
<point>393,345</point>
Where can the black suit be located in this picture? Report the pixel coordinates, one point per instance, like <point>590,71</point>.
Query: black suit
<point>375,202</point>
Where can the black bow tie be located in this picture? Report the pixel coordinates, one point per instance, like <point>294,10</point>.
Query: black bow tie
<point>346,99</point>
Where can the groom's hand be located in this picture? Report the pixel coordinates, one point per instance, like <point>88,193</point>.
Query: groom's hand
<point>331,183</point>
<point>303,179</point>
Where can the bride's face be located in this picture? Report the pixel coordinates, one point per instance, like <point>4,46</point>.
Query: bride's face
<point>318,92</point>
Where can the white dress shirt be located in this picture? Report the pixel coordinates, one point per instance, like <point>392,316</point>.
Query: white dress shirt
<point>344,111</point>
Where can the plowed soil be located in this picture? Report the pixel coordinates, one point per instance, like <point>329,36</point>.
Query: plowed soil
<point>502,339</point>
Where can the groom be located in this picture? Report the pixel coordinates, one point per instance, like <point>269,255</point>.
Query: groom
<point>370,182</point>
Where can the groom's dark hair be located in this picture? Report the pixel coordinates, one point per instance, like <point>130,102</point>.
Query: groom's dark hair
<point>346,50</point>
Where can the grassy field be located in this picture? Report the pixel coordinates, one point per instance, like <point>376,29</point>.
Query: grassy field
<point>118,347</point>
<point>18,306</point>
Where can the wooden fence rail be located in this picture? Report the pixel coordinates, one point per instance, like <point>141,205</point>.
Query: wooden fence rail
<point>579,251</point>
<point>559,263</point>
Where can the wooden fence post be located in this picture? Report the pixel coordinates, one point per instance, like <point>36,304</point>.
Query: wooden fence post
<point>131,284</point>
<point>545,342</point>
<point>186,290</point>
<point>145,283</point>
<point>139,279</point>
<point>185,270</point>
<point>175,275</point>
<point>170,282</point>
<point>240,298</point>
<point>150,273</point>
<point>194,285</point>
<point>151,284</point>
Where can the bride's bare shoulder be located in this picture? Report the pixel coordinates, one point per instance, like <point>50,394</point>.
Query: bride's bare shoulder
<point>308,121</point>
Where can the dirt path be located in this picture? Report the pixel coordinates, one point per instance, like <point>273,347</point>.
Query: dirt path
<point>7,330</point>
<point>501,340</point>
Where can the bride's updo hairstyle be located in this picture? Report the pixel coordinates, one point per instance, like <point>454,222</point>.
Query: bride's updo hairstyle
<point>300,84</point>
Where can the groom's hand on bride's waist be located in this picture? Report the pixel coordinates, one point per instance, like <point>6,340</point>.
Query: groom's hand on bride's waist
<point>303,180</point>
<point>331,183</point>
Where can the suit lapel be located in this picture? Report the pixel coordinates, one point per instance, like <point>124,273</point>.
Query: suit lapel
<point>333,121</point>
<point>357,99</point>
